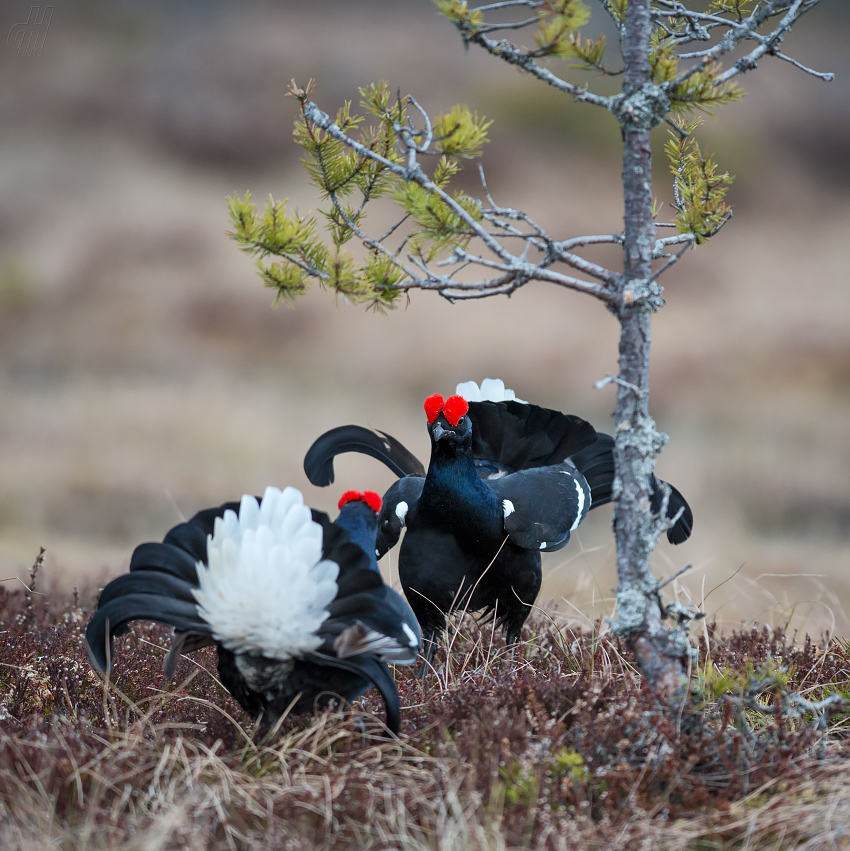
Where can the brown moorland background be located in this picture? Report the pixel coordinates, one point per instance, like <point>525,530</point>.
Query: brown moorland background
<point>145,374</point>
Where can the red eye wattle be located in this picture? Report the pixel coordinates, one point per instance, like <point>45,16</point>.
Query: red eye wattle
<point>349,496</point>
<point>455,409</point>
<point>371,499</point>
<point>433,406</point>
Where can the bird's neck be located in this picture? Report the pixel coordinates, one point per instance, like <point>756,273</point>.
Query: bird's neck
<point>361,523</point>
<point>453,492</point>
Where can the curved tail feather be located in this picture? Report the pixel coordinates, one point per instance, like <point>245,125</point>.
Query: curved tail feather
<point>112,619</point>
<point>517,435</point>
<point>682,528</point>
<point>596,464</point>
<point>191,536</point>
<point>376,672</point>
<point>146,582</point>
<point>319,460</point>
<point>167,559</point>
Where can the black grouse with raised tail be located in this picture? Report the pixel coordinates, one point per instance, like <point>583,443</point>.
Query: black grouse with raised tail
<point>293,602</point>
<point>506,480</point>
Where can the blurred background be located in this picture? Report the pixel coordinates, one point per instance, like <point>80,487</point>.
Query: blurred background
<point>144,372</point>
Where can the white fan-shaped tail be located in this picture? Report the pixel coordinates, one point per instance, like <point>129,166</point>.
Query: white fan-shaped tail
<point>491,390</point>
<point>265,588</point>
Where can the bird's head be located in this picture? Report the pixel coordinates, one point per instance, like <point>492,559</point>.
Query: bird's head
<point>448,423</point>
<point>358,515</point>
<point>370,499</point>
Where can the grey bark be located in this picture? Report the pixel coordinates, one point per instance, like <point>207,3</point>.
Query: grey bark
<point>663,654</point>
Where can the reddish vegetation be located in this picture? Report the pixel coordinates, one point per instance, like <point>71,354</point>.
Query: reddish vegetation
<point>558,745</point>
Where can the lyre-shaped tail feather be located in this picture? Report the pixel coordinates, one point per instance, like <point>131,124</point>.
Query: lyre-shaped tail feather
<point>142,596</point>
<point>519,436</point>
<point>596,464</point>
<point>376,672</point>
<point>319,460</point>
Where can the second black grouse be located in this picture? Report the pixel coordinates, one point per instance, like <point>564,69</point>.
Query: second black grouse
<point>506,480</point>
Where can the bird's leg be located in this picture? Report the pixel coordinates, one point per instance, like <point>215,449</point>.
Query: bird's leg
<point>429,648</point>
<point>512,638</point>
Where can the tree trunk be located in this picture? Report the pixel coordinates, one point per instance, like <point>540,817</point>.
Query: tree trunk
<point>662,654</point>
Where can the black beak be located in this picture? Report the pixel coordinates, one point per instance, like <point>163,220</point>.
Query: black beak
<point>438,431</point>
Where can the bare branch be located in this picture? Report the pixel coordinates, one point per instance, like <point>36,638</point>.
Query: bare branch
<point>518,25</point>
<point>826,76</point>
<point>522,59</point>
<point>674,259</point>
<point>508,4</point>
<point>740,31</point>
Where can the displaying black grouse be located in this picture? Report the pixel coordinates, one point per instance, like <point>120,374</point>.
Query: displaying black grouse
<point>506,480</point>
<point>294,603</point>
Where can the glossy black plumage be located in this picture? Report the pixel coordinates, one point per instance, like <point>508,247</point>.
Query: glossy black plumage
<point>474,543</point>
<point>455,517</point>
<point>368,624</point>
<point>475,526</point>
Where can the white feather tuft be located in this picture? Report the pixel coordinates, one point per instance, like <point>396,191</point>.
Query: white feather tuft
<point>411,635</point>
<point>491,390</point>
<point>265,588</point>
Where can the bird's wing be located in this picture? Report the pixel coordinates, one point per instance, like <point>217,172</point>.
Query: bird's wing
<point>399,501</point>
<point>596,464</point>
<point>542,506</point>
<point>518,436</point>
<point>376,620</point>
<point>366,616</point>
<point>319,460</point>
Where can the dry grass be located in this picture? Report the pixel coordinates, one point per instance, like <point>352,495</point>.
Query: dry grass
<point>557,747</point>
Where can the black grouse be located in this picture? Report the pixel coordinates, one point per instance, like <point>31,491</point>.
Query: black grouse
<point>506,480</point>
<point>293,602</point>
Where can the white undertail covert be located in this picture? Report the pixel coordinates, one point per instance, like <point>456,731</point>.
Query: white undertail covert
<point>491,390</point>
<point>265,588</point>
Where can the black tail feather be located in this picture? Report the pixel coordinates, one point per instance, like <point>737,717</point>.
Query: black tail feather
<point>166,558</point>
<point>147,582</point>
<point>681,530</point>
<point>596,464</point>
<point>192,535</point>
<point>182,644</point>
<point>112,619</point>
<point>319,460</point>
<point>376,672</point>
<point>519,436</point>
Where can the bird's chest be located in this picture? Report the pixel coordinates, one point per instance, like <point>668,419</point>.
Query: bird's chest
<point>472,523</point>
<point>467,510</point>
